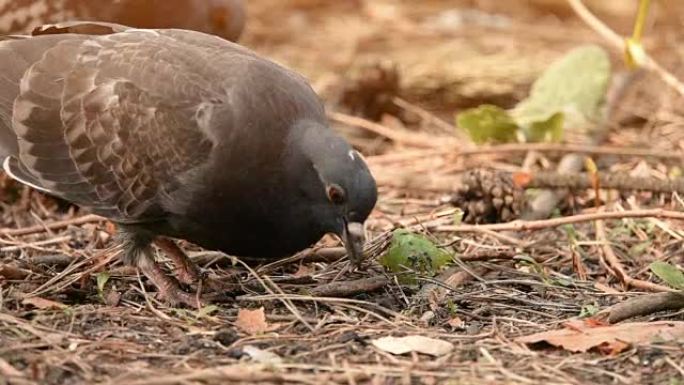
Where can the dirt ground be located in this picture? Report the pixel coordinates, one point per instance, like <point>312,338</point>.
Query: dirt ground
<point>393,74</point>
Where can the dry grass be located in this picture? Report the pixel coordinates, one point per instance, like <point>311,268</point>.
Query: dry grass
<point>507,284</point>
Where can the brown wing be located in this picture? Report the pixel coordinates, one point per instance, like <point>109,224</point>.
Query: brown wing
<point>112,122</point>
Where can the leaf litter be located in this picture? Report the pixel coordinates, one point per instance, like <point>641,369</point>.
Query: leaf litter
<point>499,284</point>
<point>582,336</point>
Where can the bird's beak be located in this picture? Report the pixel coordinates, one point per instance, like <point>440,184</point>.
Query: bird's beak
<point>353,238</point>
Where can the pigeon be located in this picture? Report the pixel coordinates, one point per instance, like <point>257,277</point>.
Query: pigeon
<point>175,134</point>
<point>225,18</point>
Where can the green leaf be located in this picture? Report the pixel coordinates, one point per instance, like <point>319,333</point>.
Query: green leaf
<point>102,279</point>
<point>414,253</point>
<point>488,123</point>
<point>206,311</point>
<point>589,310</point>
<point>458,217</point>
<point>550,130</point>
<point>575,86</point>
<point>669,274</point>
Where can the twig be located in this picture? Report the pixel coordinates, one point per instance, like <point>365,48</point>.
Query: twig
<point>328,254</point>
<point>54,260</point>
<point>616,40</point>
<point>573,148</point>
<point>347,302</point>
<point>435,120</point>
<point>349,288</point>
<point>271,288</point>
<point>33,245</point>
<point>617,269</point>
<point>226,374</point>
<point>616,181</point>
<point>555,222</point>
<point>401,137</point>
<point>448,281</point>
<point>503,149</point>
<point>645,305</point>
<point>53,225</point>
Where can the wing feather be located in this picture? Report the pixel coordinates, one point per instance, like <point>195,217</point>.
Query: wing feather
<point>111,122</point>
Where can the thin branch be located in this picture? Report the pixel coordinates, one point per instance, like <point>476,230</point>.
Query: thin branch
<point>350,288</point>
<point>53,225</point>
<point>503,149</point>
<point>397,136</point>
<point>616,267</point>
<point>555,222</point>
<point>645,305</point>
<point>616,40</point>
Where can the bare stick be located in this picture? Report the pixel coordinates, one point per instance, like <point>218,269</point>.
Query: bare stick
<point>616,40</point>
<point>616,267</point>
<point>349,288</point>
<point>645,305</point>
<point>53,225</point>
<point>401,137</point>
<point>555,222</point>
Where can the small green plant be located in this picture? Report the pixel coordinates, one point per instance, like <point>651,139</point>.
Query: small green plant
<point>570,92</point>
<point>411,253</point>
<point>669,273</point>
<point>102,279</point>
<point>589,310</point>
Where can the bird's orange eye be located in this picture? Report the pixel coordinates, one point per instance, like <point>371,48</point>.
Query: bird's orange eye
<point>335,194</point>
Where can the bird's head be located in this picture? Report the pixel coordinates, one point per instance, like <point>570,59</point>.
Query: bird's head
<point>342,189</point>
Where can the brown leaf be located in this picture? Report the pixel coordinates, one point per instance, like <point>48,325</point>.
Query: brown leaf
<point>303,271</point>
<point>581,337</point>
<point>253,321</point>
<point>418,344</point>
<point>456,323</point>
<point>594,323</point>
<point>522,179</point>
<point>613,348</point>
<point>112,298</point>
<point>43,304</point>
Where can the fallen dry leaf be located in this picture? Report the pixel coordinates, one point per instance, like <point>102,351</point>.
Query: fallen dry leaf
<point>456,323</point>
<point>253,321</point>
<point>262,356</point>
<point>303,271</point>
<point>418,344</point>
<point>581,336</point>
<point>613,348</point>
<point>43,304</point>
<point>521,179</point>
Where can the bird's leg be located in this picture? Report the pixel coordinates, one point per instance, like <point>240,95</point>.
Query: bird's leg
<point>168,286</point>
<point>138,252</point>
<point>186,270</point>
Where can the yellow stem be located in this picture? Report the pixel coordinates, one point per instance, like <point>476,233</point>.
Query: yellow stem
<point>640,21</point>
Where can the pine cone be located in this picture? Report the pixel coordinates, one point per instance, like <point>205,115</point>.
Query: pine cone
<point>488,197</point>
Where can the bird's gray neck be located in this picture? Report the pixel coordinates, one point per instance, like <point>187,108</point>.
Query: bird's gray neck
<point>318,143</point>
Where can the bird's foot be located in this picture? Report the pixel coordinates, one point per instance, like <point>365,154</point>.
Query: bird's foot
<point>175,296</point>
<point>186,271</point>
<point>169,288</point>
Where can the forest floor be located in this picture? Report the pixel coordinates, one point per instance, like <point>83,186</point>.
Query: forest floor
<point>393,73</point>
